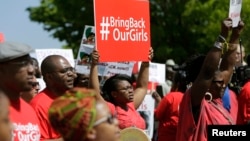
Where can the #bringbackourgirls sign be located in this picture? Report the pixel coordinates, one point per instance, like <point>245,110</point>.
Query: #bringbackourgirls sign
<point>122,30</point>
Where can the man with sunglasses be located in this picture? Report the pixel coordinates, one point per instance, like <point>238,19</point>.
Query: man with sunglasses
<point>59,77</point>
<point>16,73</point>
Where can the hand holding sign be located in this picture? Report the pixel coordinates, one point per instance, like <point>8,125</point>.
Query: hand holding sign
<point>236,31</point>
<point>95,56</point>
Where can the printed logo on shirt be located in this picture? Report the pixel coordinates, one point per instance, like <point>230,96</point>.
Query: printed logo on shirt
<point>26,132</point>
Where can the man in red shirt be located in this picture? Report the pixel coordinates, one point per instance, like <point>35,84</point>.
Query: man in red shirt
<point>59,77</point>
<point>16,73</point>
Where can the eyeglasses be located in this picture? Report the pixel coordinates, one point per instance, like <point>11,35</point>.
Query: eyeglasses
<point>126,88</point>
<point>66,70</point>
<point>109,119</point>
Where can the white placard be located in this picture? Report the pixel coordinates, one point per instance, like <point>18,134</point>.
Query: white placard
<point>156,72</point>
<point>87,44</point>
<point>41,54</point>
<point>234,11</point>
<point>112,68</point>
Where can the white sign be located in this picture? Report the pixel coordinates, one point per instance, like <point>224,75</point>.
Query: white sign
<point>234,11</point>
<point>156,72</point>
<point>83,61</point>
<point>41,54</point>
<point>87,44</point>
<point>112,68</point>
<point>88,36</point>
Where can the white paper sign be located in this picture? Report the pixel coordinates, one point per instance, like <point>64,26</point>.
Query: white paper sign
<point>112,68</point>
<point>88,36</point>
<point>83,60</point>
<point>156,72</point>
<point>43,53</point>
<point>146,110</point>
<point>234,11</point>
<point>87,44</point>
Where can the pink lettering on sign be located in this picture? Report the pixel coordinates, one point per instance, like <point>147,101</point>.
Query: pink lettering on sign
<point>143,106</point>
<point>234,15</point>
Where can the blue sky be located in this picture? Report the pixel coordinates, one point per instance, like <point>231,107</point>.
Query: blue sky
<point>16,25</point>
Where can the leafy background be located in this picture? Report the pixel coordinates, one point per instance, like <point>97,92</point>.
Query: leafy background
<point>179,28</point>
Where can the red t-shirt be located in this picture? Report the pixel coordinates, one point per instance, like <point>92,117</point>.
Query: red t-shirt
<point>130,118</point>
<point>244,104</point>
<point>41,103</point>
<point>167,113</point>
<point>211,113</point>
<point>25,122</point>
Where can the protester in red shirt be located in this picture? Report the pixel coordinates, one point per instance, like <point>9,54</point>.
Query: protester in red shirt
<point>122,99</point>
<point>167,111</point>
<point>16,73</point>
<point>59,77</point>
<point>244,104</point>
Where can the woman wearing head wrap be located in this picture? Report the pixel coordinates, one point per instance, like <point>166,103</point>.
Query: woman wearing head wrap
<point>79,116</point>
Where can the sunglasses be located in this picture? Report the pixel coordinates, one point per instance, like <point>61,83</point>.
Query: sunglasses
<point>109,119</point>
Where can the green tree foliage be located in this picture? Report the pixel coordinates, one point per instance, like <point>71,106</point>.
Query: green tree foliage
<point>179,28</point>
<point>64,19</point>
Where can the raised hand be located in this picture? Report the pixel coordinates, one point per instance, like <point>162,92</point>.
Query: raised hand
<point>226,26</point>
<point>95,56</point>
<point>236,32</point>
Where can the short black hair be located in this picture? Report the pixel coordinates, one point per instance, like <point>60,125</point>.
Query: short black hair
<point>111,85</point>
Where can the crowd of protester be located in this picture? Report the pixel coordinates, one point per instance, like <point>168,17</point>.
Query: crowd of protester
<point>77,107</point>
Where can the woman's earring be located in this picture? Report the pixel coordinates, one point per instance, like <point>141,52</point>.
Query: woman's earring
<point>208,94</point>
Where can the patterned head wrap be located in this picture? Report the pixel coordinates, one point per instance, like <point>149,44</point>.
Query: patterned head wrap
<point>74,113</point>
